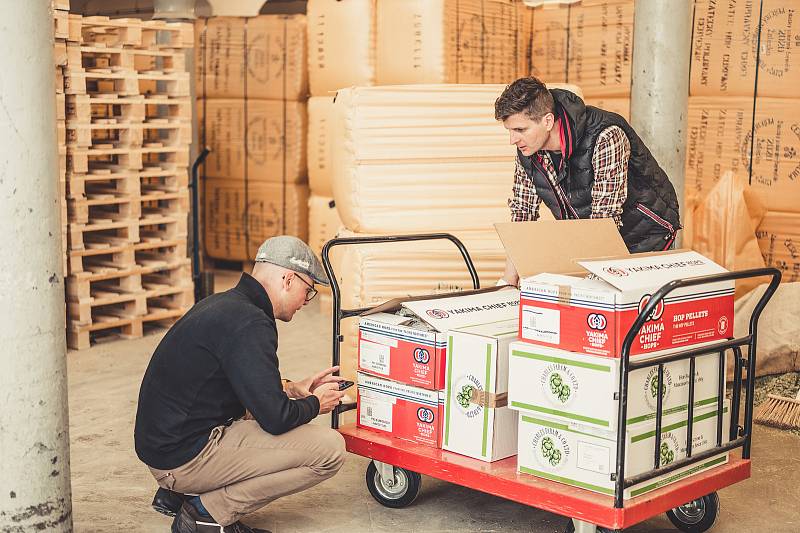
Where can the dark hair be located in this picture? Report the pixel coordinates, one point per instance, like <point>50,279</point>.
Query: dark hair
<point>527,95</point>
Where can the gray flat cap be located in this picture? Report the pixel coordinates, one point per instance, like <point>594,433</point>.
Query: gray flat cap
<point>292,253</point>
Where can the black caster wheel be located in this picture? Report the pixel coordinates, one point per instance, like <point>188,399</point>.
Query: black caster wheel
<point>571,528</point>
<point>397,493</point>
<point>696,516</point>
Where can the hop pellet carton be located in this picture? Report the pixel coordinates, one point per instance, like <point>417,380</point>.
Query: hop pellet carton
<point>584,457</point>
<point>477,420</point>
<point>588,304</point>
<point>402,411</point>
<point>404,339</point>
<point>570,387</point>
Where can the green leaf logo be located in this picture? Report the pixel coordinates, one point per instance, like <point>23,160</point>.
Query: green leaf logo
<point>667,455</point>
<point>559,389</point>
<point>465,396</point>
<point>550,452</point>
<point>654,387</point>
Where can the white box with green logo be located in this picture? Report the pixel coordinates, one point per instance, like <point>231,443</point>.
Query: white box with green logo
<point>477,422</point>
<point>580,388</point>
<point>585,457</point>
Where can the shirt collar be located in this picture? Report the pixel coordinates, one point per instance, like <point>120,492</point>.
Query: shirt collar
<point>250,287</point>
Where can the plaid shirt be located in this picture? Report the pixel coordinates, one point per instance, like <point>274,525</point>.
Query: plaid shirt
<point>609,191</point>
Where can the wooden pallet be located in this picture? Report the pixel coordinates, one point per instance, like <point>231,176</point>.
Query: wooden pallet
<point>101,81</point>
<point>117,181</point>
<point>163,178</point>
<point>101,158</point>
<point>88,57</point>
<point>80,336</point>
<point>161,83</point>
<point>85,108</point>
<point>61,23</point>
<point>153,252</point>
<point>114,33</point>
<point>122,134</point>
<point>161,35</point>
<point>99,208</point>
<point>81,236</point>
<point>100,255</point>
<point>163,227</point>
<point>171,156</point>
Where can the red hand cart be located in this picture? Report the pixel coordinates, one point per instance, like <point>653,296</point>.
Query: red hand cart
<point>393,476</point>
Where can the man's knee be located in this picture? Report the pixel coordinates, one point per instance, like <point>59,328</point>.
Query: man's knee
<point>331,451</point>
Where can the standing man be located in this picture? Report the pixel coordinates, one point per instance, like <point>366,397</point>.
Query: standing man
<point>216,421</point>
<point>583,162</point>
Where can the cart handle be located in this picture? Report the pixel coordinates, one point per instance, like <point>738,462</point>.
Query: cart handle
<point>620,481</point>
<point>339,313</point>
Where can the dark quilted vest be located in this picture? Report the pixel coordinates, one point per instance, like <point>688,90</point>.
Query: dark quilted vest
<point>650,215</point>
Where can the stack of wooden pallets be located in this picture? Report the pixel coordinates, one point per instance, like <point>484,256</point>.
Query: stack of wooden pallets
<point>128,130</point>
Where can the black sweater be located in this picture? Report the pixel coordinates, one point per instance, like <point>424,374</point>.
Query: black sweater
<point>215,362</point>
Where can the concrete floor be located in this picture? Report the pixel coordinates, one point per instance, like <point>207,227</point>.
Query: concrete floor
<point>111,489</point>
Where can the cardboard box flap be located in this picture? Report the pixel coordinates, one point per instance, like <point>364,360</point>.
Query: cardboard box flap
<point>642,271</point>
<point>554,245</point>
<point>396,303</point>
<point>461,311</point>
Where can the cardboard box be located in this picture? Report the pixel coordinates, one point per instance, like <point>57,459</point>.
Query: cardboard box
<point>239,216</point>
<point>588,44</point>
<point>585,458</point>
<point>726,38</point>
<point>720,132</point>
<point>779,240</point>
<point>477,420</point>
<point>620,106</point>
<point>578,388</point>
<point>320,129</point>
<point>411,348</point>
<point>253,57</point>
<point>564,310</point>
<point>262,140</point>
<point>403,411</point>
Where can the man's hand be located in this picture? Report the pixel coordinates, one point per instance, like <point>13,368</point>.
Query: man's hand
<point>329,396</point>
<point>307,387</point>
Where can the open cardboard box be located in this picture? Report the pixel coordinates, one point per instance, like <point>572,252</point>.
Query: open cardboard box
<point>391,347</point>
<point>560,307</point>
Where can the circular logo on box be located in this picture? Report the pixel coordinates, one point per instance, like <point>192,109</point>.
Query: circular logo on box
<point>421,355</point>
<point>597,321</point>
<point>550,448</point>
<point>657,313</point>
<point>722,324</point>
<point>617,272</point>
<point>668,449</point>
<point>425,415</point>
<point>651,387</point>
<point>559,384</point>
<point>462,394</point>
<point>437,313</point>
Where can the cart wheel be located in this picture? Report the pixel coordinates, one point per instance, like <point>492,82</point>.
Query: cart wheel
<point>696,516</point>
<point>571,528</point>
<point>400,494</point>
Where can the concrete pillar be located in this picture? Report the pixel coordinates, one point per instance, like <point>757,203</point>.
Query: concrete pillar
<point>662,34</point>
<point>34,428</point>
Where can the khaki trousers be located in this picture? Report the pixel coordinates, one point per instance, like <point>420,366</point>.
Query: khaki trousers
<point>243,468</point>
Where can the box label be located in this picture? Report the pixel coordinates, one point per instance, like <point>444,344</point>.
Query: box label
<point>593,457</point>
<point>541,324</point>
<point>374,357</point>
<point>375,413</point>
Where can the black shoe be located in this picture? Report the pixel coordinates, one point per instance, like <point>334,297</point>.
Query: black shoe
<point>189,520</point>
<point>168,502</point>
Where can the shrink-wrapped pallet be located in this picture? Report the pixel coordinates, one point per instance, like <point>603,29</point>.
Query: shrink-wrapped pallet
<point>262,140</point>
<point>341,40</point>
<point>447,41</point>
<point>252,57</point>
<point>320,167</point>
<point>779,241</point>
<point>421,158</point>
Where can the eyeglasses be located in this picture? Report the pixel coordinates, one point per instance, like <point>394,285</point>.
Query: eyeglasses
<point>310,291</point>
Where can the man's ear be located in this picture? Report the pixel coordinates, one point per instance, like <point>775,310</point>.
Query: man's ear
<point>549,121</point>
<point>286,281</point>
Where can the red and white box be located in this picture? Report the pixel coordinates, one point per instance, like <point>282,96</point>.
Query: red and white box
<point>403,411</point>
<point>411,347</point>
<point>593,315</point>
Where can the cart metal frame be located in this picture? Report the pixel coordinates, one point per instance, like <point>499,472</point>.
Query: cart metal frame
<point>397,462</point>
